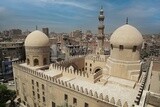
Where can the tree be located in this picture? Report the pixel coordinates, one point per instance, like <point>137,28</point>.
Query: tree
<point>6,95</point>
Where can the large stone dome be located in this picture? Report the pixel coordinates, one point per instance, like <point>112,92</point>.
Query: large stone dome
<point>126,35</point>
<point>36,39</point>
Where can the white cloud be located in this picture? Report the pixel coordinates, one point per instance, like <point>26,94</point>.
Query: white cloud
<point>139,11</point>
<point>72,3</point>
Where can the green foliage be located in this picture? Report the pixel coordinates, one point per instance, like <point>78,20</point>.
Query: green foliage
<point>5,95</point>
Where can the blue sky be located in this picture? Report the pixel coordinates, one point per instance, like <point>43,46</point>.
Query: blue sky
<point>69,15</point>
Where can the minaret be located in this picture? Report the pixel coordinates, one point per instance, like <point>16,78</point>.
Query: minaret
<point>100,37</point>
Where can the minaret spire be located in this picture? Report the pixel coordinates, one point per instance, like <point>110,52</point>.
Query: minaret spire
<point>127,20</point>
<point>101,7</point>
<point>100,37</point>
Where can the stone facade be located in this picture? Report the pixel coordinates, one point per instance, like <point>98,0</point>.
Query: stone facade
<point>37,56</point>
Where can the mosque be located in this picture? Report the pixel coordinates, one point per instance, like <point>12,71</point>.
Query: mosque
<point>94,80</point>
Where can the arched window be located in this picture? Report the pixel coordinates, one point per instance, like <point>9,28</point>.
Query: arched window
<point>44,61</point>
<point>28,62</point>
<point>36,62</point>
<point>134,49</point>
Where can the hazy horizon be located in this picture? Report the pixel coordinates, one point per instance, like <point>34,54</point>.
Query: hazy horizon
<point>69,15</point>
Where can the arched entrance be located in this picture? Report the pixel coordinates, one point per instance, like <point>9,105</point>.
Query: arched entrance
<point>97,69</point>
<point>73,65</point>
<point>36,62</point>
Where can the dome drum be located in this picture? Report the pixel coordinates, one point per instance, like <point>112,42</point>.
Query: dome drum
<point>37,49</point>
<point>125,46</point>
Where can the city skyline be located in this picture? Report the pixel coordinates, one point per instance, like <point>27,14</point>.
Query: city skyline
<point>66,16</point>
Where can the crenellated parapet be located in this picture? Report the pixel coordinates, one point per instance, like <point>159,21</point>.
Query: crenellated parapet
<point>79,89</point>
<point>70,72</point>
<point>144,84</point>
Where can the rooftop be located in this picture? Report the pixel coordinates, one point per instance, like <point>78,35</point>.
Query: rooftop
<point>114,87</point>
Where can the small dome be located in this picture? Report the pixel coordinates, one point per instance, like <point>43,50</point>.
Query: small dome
<point>126,35</point>
<point>37,39</point>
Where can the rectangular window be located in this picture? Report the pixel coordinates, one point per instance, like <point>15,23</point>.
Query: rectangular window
<point>82,69</point>
<point>43,93</point>
<point>37,90</point>
<point>90,69</point>
<point>33,87</point>
<point>134,48</point>
<point>37,84</point>
<point>74,101</point>
<point>111,46</point>
<point>120,47</point>
<point>86,64</point>
<point>33,82</point>
<point>24,102</point>
<point>90,65</point>
<point>33,93</point>
<point>38,96</point>
<point>86,105</point>
<point>43,86</point>
<point>65,97</point>
<point>44,99</point>
<point>35,105</point>
<point>53,104</point>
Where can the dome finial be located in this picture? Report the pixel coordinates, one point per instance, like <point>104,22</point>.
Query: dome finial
<point>127,20</point>
<point>36,27</point>
<point>101,7</point>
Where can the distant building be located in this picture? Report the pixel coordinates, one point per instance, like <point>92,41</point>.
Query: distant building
<point>7,72</point>
<point>46,31</point>
<point>15,32</point>
<point>76,34</point>
<point>10,52</point>
<point>6,33</point>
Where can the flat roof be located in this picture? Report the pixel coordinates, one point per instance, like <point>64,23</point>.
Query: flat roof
<point>111,89</point>
<point>115,87</point>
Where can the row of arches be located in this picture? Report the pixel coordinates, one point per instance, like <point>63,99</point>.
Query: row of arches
<point>36,61</point>
<point>73,66</point>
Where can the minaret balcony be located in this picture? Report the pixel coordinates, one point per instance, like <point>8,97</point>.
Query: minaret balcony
<point>101,17</point>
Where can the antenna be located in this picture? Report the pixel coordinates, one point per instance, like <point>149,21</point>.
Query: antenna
<point>101,7</point>
<point>36,27</point>
<point>127,20</point>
